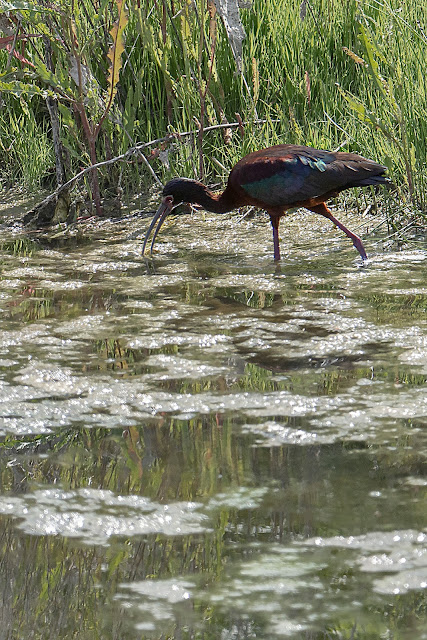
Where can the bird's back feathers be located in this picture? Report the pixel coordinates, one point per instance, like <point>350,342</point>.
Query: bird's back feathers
<point>287,174</point>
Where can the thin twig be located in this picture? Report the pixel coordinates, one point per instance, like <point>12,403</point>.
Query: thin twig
<point>378,225</point>
<point>219,164</point>
<point>141,155</point>
<point>349,137</point>
<point>396,234</point>
<point>131,151</point>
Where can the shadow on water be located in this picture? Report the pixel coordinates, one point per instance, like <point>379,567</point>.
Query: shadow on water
<point>212,447</point>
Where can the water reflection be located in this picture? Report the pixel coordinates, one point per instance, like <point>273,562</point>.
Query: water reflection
<point>212,448</point>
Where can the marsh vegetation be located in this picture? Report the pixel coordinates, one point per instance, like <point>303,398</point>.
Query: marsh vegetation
<point>84,82</point>
<point>210,446</point>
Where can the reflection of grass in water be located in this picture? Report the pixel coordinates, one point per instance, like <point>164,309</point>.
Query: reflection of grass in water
<point>317,378</point>
<point>256,298</point>
<point>190,459</point>
<point>114,356</point>
<point>30,304</point>
<point>397,307</point>
<point>22,246</point>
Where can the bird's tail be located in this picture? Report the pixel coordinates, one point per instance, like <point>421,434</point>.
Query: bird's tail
<point>374,180</point>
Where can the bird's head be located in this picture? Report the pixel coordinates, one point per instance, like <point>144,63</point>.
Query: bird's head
<point>183,190</point>
<point>175,192</point>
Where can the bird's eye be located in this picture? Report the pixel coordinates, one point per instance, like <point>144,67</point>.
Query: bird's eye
<point>169,199</point>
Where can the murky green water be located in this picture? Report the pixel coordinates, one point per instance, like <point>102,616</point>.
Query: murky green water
<point>208,446</point>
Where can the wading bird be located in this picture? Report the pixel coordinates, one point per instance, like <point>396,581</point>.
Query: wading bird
<point>276,179</point>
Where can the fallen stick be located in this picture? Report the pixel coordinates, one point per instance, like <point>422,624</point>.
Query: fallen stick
<point>125,156</point>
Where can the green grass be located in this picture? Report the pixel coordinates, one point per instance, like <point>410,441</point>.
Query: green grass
<point>346,74</point>
<point>377,108</point>
<point>26,148</point>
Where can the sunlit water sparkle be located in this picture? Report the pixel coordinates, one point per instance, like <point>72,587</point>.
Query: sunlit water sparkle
<point>208,443</point>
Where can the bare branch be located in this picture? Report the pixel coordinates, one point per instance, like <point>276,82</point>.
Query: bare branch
<point>125,157</point>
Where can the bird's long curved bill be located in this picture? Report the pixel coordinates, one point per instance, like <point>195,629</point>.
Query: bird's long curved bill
<point>159,218</point>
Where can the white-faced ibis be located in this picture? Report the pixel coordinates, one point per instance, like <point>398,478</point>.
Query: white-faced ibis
<point>276,179</point>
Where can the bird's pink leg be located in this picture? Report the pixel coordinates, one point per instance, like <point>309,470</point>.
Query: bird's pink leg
<point>357,242</point>
<point>275,224</point>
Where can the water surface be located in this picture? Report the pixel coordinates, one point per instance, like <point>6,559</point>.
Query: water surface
<point>207,445</point>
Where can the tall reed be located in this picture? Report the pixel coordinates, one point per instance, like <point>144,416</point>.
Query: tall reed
<point>329,74</point>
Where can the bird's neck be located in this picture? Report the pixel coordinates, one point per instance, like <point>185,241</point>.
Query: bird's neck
<point>215,202</point>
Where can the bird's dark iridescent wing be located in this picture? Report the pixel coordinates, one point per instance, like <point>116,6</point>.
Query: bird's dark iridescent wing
<point>298,174</point>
